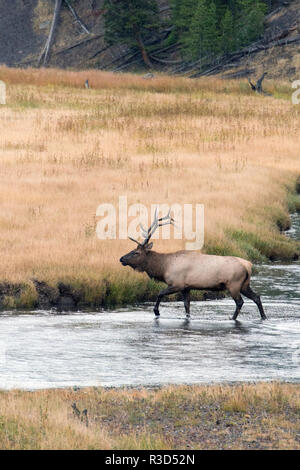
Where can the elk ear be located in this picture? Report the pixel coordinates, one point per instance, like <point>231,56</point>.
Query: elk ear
<point>148,246</point>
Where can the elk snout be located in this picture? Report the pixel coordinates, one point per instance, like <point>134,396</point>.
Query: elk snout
<point>122,260</point>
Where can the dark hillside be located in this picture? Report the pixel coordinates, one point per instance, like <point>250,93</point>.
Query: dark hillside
<point>18,38</point>
<point>25,26</point>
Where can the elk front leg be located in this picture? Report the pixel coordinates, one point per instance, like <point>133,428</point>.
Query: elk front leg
<point>186,300</point>
<point>239,303</point>
<point>167,291</point>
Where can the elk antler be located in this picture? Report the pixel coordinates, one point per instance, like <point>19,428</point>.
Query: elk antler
<point>147,234</point>
<point>134,240</point>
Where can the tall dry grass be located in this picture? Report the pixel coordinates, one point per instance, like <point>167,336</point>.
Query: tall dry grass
<point>64,150</point>
<point>246,416</point>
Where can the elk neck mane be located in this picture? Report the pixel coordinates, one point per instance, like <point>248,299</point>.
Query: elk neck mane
<point>155,265</point>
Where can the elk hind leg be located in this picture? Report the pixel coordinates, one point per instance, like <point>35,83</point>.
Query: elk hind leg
<point>235,292</point>
<point>248,292</point>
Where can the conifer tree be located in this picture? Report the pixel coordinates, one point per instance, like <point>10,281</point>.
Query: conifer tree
<point>250,23</point>
<point>227,36</point>
<point>202,36</point>
<point>182,14</point>
<point>131,22</point>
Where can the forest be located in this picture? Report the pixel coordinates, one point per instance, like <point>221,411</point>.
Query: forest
<point>205,29</point>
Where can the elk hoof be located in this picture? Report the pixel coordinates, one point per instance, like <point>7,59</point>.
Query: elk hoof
<point>156,311</point>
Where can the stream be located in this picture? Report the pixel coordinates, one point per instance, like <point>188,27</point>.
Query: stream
<point>129,347</point>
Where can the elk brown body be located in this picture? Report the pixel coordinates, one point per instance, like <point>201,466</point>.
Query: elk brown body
<point>184,271</point>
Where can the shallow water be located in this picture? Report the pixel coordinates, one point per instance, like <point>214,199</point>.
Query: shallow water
<point>130,347</point>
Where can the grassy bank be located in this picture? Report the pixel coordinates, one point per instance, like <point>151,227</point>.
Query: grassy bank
<point>65,150</point>
<point>256,416</point>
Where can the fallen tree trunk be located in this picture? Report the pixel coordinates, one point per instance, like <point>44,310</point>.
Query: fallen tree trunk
<point>77,44</point>
<point>165,62</point>
<point>240,54</point>
<point>77,19</point>
<point>262,47</point>
<point>130,55</point>
<point>130,60</point>
<point>129,63</point>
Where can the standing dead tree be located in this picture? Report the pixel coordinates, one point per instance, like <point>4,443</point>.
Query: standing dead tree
<point>45,52</point>
<point>43,59</point>
<point>257,87</point>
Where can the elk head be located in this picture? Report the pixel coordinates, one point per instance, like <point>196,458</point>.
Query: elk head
<point>137,259</point>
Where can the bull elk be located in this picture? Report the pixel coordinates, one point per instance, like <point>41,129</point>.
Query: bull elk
<point>186,270</point>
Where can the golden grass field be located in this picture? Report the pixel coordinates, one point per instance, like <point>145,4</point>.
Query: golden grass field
<point>65,150</point>
<point>254,416</point>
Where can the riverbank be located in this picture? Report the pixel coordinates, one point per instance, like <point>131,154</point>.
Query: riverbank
<point>246,416</point>
<point>116,291</point>
<point>65,150</point>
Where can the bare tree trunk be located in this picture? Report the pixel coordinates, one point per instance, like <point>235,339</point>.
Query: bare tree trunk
<point>258,86</point>
<point>143,50</point>
<point>45,53</point>
<point>259,83</point>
